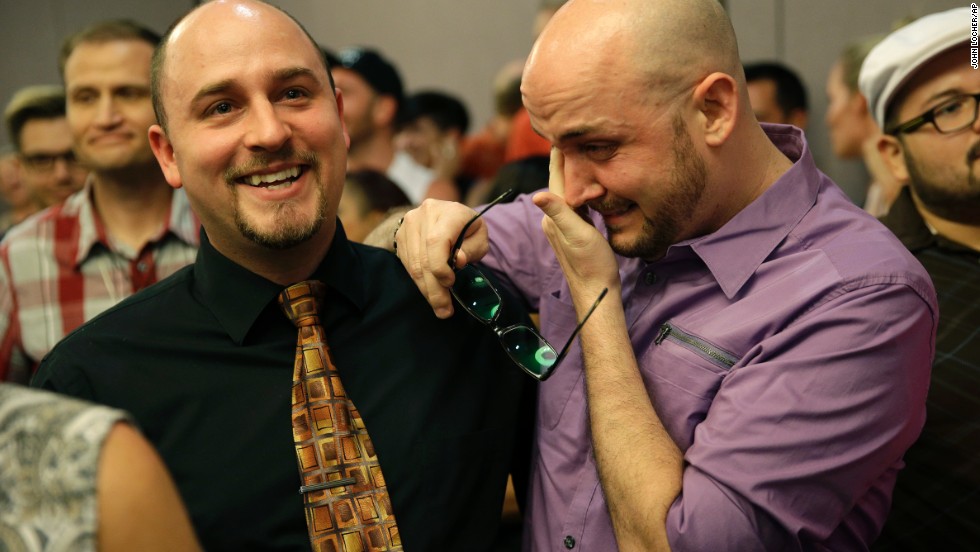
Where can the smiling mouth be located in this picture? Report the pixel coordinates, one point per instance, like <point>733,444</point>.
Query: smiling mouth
<point>273,181</point>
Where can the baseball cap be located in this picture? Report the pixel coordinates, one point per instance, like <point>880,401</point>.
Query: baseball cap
<point>373,68</point>
<point>895,59</point>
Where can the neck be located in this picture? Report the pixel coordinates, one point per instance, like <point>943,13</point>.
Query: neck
<point>132,204</point>
<point>285,267</point>
<point>965,234</point>
<point>18,214</point>
<point>376,153</point>
<point>757,167</point>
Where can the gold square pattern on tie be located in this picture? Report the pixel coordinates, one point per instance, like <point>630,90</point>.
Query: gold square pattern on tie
<point>332,442</point>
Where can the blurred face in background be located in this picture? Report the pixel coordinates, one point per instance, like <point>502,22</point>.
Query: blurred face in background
<point>423,140</point>
<point>762,98</point>
<point>13,190</point>
<point>847,116</point>
<point>47,162</point>
<point>109,106</point>
<point>365,110</point>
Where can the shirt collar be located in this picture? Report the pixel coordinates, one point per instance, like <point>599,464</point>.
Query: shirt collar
<point>237,296</point>
<point>757,229</point>
<point>90,231</point>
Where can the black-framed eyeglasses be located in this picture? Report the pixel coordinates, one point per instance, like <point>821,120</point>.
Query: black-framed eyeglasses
<point>952,115</point>
<point>45,162</point>
<point>524,344</point>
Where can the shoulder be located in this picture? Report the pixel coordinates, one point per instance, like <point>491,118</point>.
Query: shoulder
<point>384,279</point>
<point>859,248</point>
<point>152,309</point>
<point>40,225</point>
<point>49,475</point>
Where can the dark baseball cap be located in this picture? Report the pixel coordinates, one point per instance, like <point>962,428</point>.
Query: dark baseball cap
<point>373,68</point>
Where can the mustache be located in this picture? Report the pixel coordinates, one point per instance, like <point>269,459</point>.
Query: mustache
<point>607,205</point>
<point>263,160</point>
<point>973,153</point>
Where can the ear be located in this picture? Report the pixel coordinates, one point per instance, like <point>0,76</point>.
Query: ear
<point>385,109</point>
<point>163,149</point>
<point>340,113</point>
<point>716,97</point>
<point>893,153</point>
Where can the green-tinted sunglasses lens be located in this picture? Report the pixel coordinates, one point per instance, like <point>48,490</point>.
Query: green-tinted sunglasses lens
<point>475,293</point>
<point>529,350</point>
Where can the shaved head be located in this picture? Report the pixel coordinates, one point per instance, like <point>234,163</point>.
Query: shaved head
<point>157,67</point>
<point>666,45</point>
<point>642,98</point>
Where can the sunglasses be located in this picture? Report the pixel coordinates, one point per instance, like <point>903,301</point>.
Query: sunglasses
<point>525,346</point>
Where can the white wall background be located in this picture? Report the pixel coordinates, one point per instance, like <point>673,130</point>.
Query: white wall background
<point>458,45</point>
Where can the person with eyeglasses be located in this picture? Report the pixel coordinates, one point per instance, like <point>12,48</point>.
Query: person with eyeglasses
<point>19,200</point>
<point>35,119</point>
<point>923,92</point>
<point>758,362</point>
<point>121,232</point>
<point>204,360</point>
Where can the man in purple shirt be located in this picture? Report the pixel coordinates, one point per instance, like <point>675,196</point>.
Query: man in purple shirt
<point>760,363</point>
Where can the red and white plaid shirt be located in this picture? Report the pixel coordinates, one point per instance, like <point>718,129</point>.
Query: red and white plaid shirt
<point>59,269</point>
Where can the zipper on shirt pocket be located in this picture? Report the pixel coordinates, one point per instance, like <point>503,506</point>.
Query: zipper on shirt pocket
<point>693,343</point>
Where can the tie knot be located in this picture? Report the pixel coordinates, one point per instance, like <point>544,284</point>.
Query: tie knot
<point>301,302</point>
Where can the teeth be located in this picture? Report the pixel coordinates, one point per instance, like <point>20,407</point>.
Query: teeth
<point>260,179</point>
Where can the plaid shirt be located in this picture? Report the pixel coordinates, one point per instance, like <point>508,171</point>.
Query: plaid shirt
<point>936,504</point>
<point>59,269</point>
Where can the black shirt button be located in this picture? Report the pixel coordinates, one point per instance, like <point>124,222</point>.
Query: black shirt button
<point>569,542</point>
<point>650,278</point>
<point>142,266</point>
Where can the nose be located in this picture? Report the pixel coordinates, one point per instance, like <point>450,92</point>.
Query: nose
<point>580,183</point>
<point>107,115</point>
<point>62,170</point>
<point>266,129</point>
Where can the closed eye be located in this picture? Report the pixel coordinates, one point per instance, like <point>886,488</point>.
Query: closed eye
<point>599,151</point>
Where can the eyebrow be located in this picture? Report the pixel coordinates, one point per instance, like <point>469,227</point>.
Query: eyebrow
<point>575,134</point>
<point>944,95</point>
<point>218,87</point>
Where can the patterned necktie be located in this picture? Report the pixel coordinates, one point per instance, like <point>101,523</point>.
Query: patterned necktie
<point>347,503</point>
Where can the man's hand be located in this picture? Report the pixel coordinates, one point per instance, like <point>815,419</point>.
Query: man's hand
<point>584,254</point>
<point>424,240</point>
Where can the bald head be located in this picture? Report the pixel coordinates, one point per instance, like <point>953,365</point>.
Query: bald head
<point>200,18</point>
<point>668,45</point>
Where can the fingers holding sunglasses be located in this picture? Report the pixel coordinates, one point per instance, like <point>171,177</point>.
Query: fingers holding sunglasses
<point>425,240</point>
<point>584,254</point>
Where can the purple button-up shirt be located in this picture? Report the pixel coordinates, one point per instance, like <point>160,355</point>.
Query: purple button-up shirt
<point>787,354</point>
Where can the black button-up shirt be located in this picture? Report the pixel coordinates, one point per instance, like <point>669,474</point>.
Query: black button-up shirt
<point>204,362</point>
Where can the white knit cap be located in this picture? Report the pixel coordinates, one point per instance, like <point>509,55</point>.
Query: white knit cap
<point>893,61</point>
